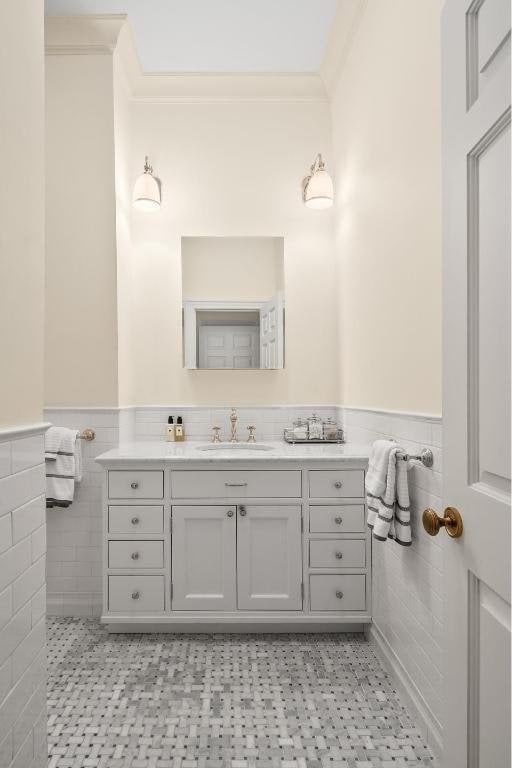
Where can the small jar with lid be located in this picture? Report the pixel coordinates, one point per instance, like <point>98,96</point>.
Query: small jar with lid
<point>316,428</point>
<point>330,430</point>
<point>300,429</point>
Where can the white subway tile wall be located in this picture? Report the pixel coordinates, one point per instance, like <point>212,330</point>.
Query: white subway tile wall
<point>74,534</point>
<point>407,581</point>
<point>22,603</point>
<point>150,423</point>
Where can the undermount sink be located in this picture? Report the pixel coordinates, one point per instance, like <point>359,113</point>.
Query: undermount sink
<point>235,447</point>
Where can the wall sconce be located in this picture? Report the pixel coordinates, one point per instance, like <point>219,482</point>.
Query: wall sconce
<point>146,192</point>
<point>317,188</point>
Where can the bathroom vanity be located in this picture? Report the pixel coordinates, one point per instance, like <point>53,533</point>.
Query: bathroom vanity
<point>202,537</point>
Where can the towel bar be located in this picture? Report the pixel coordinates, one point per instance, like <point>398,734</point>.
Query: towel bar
<point>426,457</point>
<point>87,434</point>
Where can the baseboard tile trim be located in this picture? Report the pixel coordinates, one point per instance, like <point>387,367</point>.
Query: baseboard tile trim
<point>427,721</point>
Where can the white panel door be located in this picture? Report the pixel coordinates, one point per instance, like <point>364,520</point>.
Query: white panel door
<point>269,558</point>
<point>272,333</point>
<point>204,558</point>
<point>229,346</point>
<point>476,380</point>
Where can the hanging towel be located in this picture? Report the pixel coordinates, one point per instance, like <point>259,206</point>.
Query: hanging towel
<point>63,458</point>
<point>387,493</point>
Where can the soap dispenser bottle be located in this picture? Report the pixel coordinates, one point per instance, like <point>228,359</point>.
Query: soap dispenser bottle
<point>171,430</point>
<point>179,430</point>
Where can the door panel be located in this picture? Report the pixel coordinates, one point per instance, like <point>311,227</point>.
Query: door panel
<point>476,380</point>
<point>229,346</point>
<point>272,333</point>
<point>489,191</point>
<point>203,558</point>
<point>269,558</point>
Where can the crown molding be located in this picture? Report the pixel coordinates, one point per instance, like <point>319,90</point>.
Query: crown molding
<point>82,35</point>
<point>214,87</point>
<point>341,37</point>
<point>113,35</point>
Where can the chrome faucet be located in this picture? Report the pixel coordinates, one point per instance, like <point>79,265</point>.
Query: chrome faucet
<point>233,419</point>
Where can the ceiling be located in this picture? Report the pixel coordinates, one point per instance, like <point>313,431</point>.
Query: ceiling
<point>219,35</point>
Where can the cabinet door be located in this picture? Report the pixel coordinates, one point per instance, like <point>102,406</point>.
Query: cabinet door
<point>269,558</point>
<point>204,558</point>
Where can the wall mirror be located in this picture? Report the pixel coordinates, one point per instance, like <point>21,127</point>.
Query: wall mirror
<point>233,302</point>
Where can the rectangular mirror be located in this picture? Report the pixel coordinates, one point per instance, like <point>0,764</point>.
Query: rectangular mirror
<point>233,302</point>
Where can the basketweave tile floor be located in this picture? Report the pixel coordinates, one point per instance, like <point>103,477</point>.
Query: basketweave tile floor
<point>188,701</point>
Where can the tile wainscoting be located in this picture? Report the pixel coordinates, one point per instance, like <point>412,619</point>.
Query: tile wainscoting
<point>408,581</point>
<point>22,598</point>
<point>150,423</point>
<point>74,534</point>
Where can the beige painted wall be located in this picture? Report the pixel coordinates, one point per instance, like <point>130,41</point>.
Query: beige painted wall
<point>81,310</point>
<point>386,134</point>
<point>231,169</point>
<point>21,211</point>
<point>231,268</point>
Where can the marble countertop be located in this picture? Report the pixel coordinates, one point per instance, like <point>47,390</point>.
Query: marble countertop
<point>189,451</point>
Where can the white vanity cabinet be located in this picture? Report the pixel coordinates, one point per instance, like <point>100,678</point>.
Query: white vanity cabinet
<point>234,545</point>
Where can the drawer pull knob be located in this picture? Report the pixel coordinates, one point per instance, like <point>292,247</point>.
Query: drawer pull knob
<point>339,595</point>
<point>135,521</point>
<point>134,485</point>
<point>338,520</point>
<point>135,555</point>
<point>242,511</point>
<point>338,484</point>
<point>135,595</point>
<point>230,513</point>
<point>339,555</point>
<point>235,485</point>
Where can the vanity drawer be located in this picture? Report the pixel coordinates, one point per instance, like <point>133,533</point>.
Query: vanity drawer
<point>136,594</point>
<point>211,484</point>
<point>337,553</point>
<point>135,554</point>
<point>135,519</point>
<point>340,518</point>
<point>334,484</point>
<point>135,484</point>
<point>330,592</point>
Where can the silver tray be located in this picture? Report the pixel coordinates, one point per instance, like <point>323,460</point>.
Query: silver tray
<point>306,441</point>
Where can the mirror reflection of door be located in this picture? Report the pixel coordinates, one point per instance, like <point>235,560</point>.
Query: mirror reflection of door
<point>229,346</point>
<point>233,302</point>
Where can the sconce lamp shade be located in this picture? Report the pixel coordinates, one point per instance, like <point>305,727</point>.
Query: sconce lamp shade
<point>146,192</point>
<point>318,189</point>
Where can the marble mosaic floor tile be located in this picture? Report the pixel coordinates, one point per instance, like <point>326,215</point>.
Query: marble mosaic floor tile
<point>208,701</point>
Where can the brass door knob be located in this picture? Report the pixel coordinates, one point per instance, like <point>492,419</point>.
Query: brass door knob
<point>452,522</point>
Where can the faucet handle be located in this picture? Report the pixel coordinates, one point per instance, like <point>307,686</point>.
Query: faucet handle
<point>251,438</point>
<point>216,435</point>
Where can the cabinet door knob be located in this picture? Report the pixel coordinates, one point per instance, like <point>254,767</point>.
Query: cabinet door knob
<point>242,511</point>
<point>338,484</point>
<point>135,520</point>
<point>135,595</point>
<point>135,555</point>
<point>338,520</point>
<point>230,513</point>
<point>134,485</point>
<point>339,594</point>
<point>339,555</point>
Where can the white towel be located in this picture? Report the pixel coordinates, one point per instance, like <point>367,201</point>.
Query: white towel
<point>387,493</point>
<point>63,455</point>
